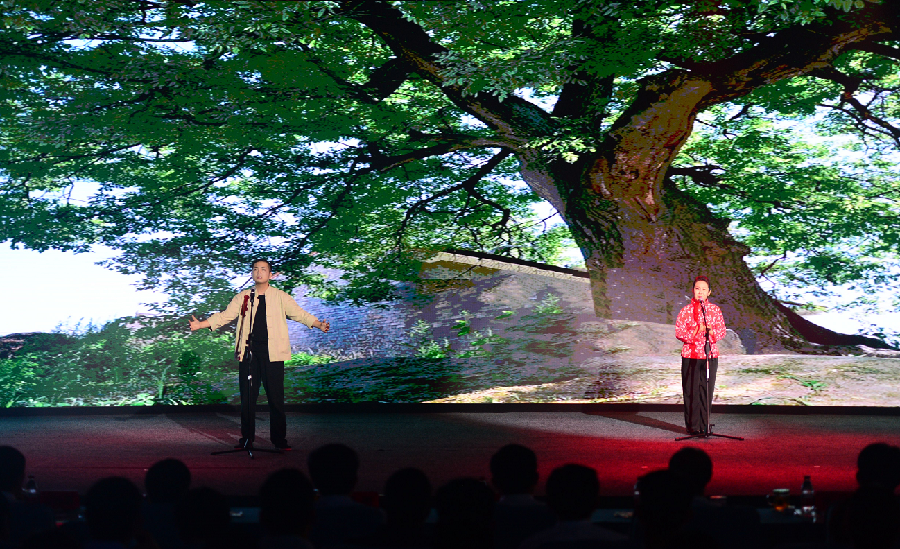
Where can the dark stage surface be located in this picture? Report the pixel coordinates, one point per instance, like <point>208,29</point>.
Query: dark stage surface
<point>70,451</point>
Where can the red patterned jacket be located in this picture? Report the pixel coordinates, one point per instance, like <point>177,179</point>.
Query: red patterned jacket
<point>686,323</point>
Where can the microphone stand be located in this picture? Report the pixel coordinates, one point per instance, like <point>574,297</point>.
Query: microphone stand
<point>707,348</point>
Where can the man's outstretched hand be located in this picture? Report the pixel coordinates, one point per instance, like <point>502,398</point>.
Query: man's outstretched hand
<point>322,325</point>
<point>198,324</point>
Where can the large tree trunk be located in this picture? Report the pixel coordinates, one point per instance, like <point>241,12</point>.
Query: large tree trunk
<point>659,259</point>
<point>643,239</point>
<point>642,265</point>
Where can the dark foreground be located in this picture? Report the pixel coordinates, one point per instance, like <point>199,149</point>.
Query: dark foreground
<point>70,452</point>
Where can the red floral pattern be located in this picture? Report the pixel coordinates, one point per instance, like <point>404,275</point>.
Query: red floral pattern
<point>686,324</point>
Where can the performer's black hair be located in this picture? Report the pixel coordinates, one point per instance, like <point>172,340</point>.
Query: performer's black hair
<point>266,261</point>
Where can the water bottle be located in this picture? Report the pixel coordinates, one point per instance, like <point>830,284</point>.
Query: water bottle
<point>807,498</point>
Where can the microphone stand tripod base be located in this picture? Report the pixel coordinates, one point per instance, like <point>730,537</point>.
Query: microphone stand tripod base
<point>708,434</point>
<point>248,447</point>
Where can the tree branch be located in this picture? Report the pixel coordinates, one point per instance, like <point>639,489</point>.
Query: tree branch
<point>879,49</point>
<point>380,163</point>
<point>584,95</point>
<point>772,264</point>
<point>386,79</point>
<point>795,51</point>
<point>851,85</point>
<point>468,185</point>
<point>704,177</point>
<point>517,120</point>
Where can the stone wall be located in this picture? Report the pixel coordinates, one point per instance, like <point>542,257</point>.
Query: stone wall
<point>453,288</point>
<point>503,311</point>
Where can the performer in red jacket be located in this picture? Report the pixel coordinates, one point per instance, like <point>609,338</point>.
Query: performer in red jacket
<point>694,322</point>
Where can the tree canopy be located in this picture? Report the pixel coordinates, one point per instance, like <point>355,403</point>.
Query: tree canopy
<point>363,134</point>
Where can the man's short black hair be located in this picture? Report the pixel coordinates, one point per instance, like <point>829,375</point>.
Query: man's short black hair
<point>167,480</point>
<point>333,469</point>
<point>879,464</point>
<point>112,509</point>
<point>286,503</point>
<point>514,469</point>
<point>695,467</point>
<point>572,491</point>
<point>12,469</point>
<point>266,261</point>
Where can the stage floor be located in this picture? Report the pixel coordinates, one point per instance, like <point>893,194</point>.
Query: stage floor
<point>70,452</point>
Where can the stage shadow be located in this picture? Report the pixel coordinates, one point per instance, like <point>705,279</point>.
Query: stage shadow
<point>636,419</point>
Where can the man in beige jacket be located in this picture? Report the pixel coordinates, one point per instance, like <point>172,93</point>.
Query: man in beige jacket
<point>261,347</point>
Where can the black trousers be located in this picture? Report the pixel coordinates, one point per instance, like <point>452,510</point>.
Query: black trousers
<point>256,370</point>
<point>693,383</point>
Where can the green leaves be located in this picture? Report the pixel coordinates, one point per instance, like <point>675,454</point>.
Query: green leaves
<point>213,132</point>
<point>818,213</point>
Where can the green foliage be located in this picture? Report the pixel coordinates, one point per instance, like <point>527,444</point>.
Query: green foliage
<point>819,215</point>
<point>548,306</point>
<point>306,359</point>
<point>121,363</point>
<point>193,136</point>
<point>470,360</point>
<point>17,375</point>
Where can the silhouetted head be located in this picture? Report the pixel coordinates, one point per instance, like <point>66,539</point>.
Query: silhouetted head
<point>572,491</point>
<point>202,515</point>
<point>407,497</point>
<point>167,480</point>
<point>694,466</point>
<point>12,469</point>
<point>286,503</point>
<point>664,503</point>
<point>878,464</point>
<point>333,469</point>
<point>514,470</point>
<point>465,510</point>
<point>112,510</point>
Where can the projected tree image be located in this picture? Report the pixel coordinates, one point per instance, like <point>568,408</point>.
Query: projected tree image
<point>366,135</point>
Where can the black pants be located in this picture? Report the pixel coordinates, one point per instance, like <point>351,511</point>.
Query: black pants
<point>270,375</point>
<point>693,382</point>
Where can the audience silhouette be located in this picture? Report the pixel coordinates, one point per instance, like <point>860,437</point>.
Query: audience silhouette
<point>464,515</point>
<point>572,493</point>
<point>286,510</point>
<point>732,526</point>
<point>874,518</point>
<point>26,517</point>
<point>203,518</point>
<point>166,482</point>
<point>112,512</point>
<point>407,504</point>
<point>877,470</point>
<point>333,469</point>
<point>662,509</point>
<point>517,514</point>
<point>878,464</point>
<point>671,509</point>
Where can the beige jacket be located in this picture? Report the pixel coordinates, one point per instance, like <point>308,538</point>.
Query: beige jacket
<point>279,305</point>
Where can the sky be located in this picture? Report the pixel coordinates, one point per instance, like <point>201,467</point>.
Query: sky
<point>61,289</point>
